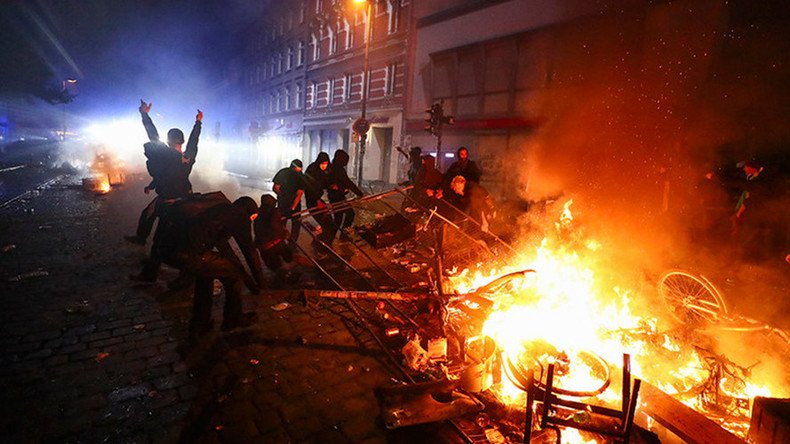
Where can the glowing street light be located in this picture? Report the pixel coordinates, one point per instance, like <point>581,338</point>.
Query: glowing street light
<point>361,125</point>
<point>64,91</point>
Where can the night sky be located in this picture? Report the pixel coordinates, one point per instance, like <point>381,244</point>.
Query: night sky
<point>170,52</point>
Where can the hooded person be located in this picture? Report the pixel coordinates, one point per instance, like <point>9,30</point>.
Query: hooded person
<point>289,185</point>
<point>463,167</point>
<point>195,238</point>
<point>271,235</point>
<point>316,181</point>
<point>428,182</point>
<point>339,186</point>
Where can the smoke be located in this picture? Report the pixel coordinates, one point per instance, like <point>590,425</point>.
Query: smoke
<point>640,107</point>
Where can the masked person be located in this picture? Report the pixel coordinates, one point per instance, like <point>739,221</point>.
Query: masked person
<point>289,186</point>
<point>271,236</point>
<point>194,237</point>
<point>463,167</point>
<point>169,167</point>
<point>428,182</point>
<point>339,186</point>
<point>316,181</point>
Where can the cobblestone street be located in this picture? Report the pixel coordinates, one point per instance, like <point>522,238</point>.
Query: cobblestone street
<point>88,356</point>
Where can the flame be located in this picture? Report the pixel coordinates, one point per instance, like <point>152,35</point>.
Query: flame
<point>104,187</point>
<point>565,304</point>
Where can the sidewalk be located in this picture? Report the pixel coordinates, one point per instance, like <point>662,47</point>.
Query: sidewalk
<point>86,356</point>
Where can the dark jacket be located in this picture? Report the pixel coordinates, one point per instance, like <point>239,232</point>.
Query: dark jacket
<point>316,180</point>
<point>187,230</point>
<point>168,168</point>
<point>290,182</point>
<point>466,168</point>
<point>339,183</point>
<point>428,177</point>
<point>269,226</point>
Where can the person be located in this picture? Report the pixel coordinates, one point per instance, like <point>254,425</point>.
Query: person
<point>463,167</point>
<point>271,236</point>
<point>473,200</point>
<point>316,181</point>
<point>339,186</point>
<point>428,182</point>
<point>415,162</point>
<point>193,236</point>
<point>289,186</point>
<point>169,167</point>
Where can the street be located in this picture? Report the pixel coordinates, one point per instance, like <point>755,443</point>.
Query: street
<point>87,356</point>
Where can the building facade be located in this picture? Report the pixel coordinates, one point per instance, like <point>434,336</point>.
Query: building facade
<point>304,79</point>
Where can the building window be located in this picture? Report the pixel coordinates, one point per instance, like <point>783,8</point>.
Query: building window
<point>349,34</point>
<point>300,54</point>
<point>389,79</point>
<point>279,63</point>
<point>315,47</point>
<point>393,15</point>
<point>347,87</point>
<point>289,61</point>
<point>332,40</point>
<point>272,66</point>
<point>302,11</point>
<point>298,96</point>
<point>287,98</point>
<point>318,6</point>
<point>331,91</point>
<point>312,93</point>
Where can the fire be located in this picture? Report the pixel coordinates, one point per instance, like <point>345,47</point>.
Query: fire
<point>565,307</point>
<point>104,187</point>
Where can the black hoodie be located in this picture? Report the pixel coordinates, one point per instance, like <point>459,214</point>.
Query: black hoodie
<point>317,180</point>
<point>339,183</point>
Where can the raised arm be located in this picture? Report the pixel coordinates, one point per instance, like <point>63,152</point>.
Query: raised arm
<point>153,134</point>
<point>192,145</point>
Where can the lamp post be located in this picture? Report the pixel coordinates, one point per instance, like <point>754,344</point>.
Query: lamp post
<point>65,92</point>
<point>361,125</point>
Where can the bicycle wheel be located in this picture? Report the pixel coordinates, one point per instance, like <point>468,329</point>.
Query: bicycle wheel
<point>691,299</point>
<point>597,378</point>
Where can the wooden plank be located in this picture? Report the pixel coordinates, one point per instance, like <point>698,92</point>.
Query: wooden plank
<point>683,421</point>
<point>379,295</point>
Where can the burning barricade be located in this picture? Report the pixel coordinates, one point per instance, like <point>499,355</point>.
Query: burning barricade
<point>536,344</point>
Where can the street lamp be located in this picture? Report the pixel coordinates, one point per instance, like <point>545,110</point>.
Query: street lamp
<point>65,92</point>
<point>361,125</point>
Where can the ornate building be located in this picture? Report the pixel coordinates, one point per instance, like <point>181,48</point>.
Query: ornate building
<point>304,80</point>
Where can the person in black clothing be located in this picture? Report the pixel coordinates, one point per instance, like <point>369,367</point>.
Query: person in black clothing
<point>289,186</point>
<point>339,186</point>
<point>415,163</point>
<point>316,181</point>
<point>169,167</point>
<point>193,236</point>
<point>271,235</point>
<point>428,182</point>
<point>463,167</point>
<point>472,199</point>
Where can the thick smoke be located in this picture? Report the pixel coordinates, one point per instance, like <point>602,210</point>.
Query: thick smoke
<point>642,106</point>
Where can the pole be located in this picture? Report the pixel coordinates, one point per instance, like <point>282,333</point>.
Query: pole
<point>365,79</point>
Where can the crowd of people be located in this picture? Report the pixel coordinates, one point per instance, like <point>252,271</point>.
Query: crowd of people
<point>195,230</point>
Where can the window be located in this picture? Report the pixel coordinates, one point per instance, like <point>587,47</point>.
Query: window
<point>300,54</point>
<point>349,34</point>
<point>272,66</point>
<point>316,47</point>
<point>332,40</point>
<point>302,11</point>
<point>389,79</point>
<point>298,96</point>
<point>287,98</point>
<point>279,63</point>
<point>331,91</point>
<point>393,15</point>
<point>347,84</point>
<point>289,60</point>
<point>311,95</point>
<point>317,6</point>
